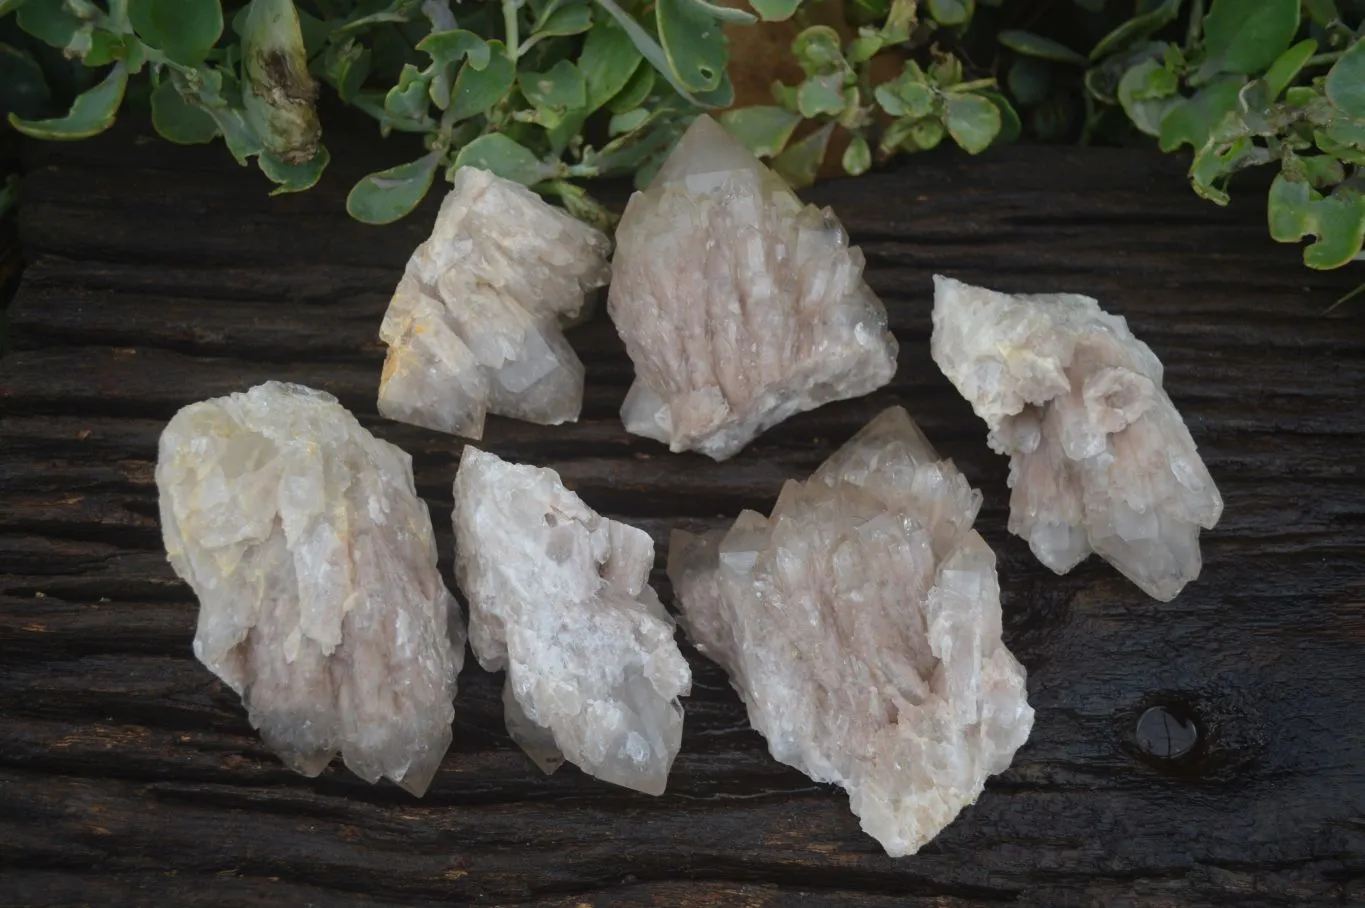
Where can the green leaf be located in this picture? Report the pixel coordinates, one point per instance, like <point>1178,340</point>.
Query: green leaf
<point>452,46</point>
<point>651,51</point>
<point>105,48</point>
<point>764,130</point>
<point>50,22</point>
<point>864,47</point>
<point>92,113</point>
<point>1343,140</point>
<point>945,71</point>
<point>821,95</point>
<point>906,95</point>
<point>972,121</point>
<point>889,101</point>
<point>818,51</point>
<point>693,42</point>
<point>1031,45</point>
<point>1246,37</point>
<point>722,13</point>
<point>924,135</point>
<point>567,20</point>
<point>406,103</point>
<point>504,157</point>
<point>1138,28</point>
<point>9,6</point>
<point>607,62</point>
<point>1216,162</point>
<point>1190,120</point>
<point>775,10</point>
<point>220,98</point>
<point>635,93</point>
<point>386,196</point>
<point>315,32</point>
<point>626,122</point>
<point>1322,12</point>
<point>476,89</point>
<point>23,90</point>
<point>1345,85</point>
<point>1145,92</point>
<point>447,49</point>
<point>559,89</point>
<point>1296,210</point>
<point>1010,127</point>
<point>800,162</point>
<point>857,157</point>
<point>951,12</point>
<point>1287,66</point>
<point>180,122</point>
<point>347,65</point>
<point>293,177</point>
<point>1030,80</point>
<point>639,150</point>
<point>1319,170</point>
<point>185,30</point>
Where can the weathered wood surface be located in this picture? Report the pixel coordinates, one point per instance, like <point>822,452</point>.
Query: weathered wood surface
<point>129,775</point>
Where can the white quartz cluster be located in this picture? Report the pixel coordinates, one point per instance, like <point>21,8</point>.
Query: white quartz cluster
<point>739,305</point>
<point>860,623</point>
<point>1100,459</point>
<point>475,325</point>
<point>315,568</point>
<point>559,597</point>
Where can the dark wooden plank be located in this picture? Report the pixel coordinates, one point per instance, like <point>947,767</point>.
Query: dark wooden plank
<point>129,775</point>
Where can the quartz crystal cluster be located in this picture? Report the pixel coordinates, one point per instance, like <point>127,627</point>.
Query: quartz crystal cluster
<point>475,325</point>
<point>558,596</point>
<point>1099,458</point>
<point>860,623</point>
<point>739,305</point>
<point>315,568</point>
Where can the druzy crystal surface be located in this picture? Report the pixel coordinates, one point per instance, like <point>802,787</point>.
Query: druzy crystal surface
<point>860,623</point>
<point>559,597</point>
<point>475,325</point>
<point>315,567</point>
<point>1100,460</point>
<point>739,305</point>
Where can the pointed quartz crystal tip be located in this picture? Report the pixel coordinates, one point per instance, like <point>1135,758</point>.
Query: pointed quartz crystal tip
<point>315,567</point>
<point>1100,460</point>
<point>475,325</point>
<point>738,305</point>
<point>559,597</point>
<point>860,624</point>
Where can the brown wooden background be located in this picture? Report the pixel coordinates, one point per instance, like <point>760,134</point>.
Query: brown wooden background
<point>159,275</point>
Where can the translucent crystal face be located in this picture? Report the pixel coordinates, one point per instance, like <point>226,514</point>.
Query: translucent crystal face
<point>739,305</point>
<point>475,325</point>
<point>1100,459</point>
<point>315,567</point>
<point>860,623</point>
<point>558,596</point>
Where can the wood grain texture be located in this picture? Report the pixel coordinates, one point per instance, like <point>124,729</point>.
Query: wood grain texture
<point>159,276</point>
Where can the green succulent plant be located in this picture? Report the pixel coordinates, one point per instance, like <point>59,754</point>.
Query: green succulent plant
<point>1242,83</point>
<point>554,93</point>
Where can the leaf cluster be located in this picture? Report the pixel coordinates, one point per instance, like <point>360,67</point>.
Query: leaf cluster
<point>927,100</point>
<point>544,92</point>
<point>1241,83</point>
